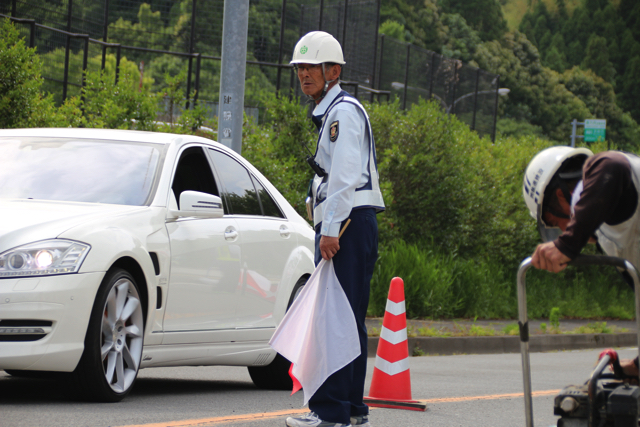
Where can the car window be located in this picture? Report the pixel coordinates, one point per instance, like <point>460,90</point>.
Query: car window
<point>78,170</point>
<point>238,190</point>
<point>269,205</point>
<point>194,174</point>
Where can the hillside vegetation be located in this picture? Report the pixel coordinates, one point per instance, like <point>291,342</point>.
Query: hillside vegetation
<point>566,60</point>
<point>514,10</point>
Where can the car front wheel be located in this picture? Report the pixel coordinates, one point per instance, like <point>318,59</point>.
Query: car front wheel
<point>113,344</point>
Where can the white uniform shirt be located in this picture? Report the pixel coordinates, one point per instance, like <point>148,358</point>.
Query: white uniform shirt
<point>345,158</point>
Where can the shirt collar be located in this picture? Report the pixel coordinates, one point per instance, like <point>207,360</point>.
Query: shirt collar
<point>332,93</point>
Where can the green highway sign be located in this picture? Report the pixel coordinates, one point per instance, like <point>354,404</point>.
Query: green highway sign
<point>594,130</point>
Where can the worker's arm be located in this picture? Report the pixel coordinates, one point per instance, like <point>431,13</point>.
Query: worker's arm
<point>629,366</point>
<point>609,196</point>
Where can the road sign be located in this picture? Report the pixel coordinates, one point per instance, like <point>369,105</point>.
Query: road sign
<point>594,130</point>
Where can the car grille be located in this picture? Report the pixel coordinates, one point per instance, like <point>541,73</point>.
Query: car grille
<point>24,330</point>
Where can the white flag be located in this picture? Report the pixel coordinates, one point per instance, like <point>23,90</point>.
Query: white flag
<point>318,334</point>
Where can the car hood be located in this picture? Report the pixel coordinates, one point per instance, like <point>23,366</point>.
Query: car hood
<point>25,221</point>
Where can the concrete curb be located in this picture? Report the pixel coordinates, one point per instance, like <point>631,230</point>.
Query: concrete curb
<point>510,344</point>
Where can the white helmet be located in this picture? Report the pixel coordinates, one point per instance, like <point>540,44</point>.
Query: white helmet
<point>561,162</point>
<point>317,47</point>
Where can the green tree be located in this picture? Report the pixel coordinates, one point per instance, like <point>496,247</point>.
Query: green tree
<point>396,30</point>
<point>597,58</point>
<point>630,93</point>
<point>600,98</point>
<point>537,95</point>
<point>629,48</point>
<point>629,11</point>
<point>461,41</point>
<point>563,15</point>
<point>149,31</point>
<point>420,18</point>
<point>484,16</point>
<point>555,59</point>
<point>577,29</point>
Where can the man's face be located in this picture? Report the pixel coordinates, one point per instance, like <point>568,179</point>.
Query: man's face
<point>559,204</point>
<point>311,79</point>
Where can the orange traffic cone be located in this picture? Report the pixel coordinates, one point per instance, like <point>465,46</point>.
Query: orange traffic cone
<point>391,382</point>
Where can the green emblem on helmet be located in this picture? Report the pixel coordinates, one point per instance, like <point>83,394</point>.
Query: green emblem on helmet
<point>303,50</point>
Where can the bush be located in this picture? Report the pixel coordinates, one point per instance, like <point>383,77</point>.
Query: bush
<point>21,102</point>
<point>444,185</point>
<point>277,148</point>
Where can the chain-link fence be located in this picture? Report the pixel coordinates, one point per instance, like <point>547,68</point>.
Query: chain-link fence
<point>164,37</point>
<point>411,73</point>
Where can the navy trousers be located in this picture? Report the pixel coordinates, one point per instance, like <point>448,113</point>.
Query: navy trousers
<point>341,395</point>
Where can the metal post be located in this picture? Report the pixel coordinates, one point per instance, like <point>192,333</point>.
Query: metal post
<point>574,124</point>
<point>374,82</point>
<point>232,73</point>
<point>319,15</point>
<point>475,100</point>
<point>344,26</point>
<point>495,110</point>
<point>85,58</point>
<point>377,86</point>
<point>118,54</point>
<point>198,68</point>
<point>105,33</point>
<point>65,79</point>
<point>292,84</point>
<point>523,323</point>
<point>14,8</point>
<point>431,72</point>
<point>281,45</point>
<point>191,41</point>
<point>406,77</point>
<point>452,107</point>
<point>32,33</point>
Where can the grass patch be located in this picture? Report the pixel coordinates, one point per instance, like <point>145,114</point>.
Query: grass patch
<point>475,330</point>
<point>447,286</point>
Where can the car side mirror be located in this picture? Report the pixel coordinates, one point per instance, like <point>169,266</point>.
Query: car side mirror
<point>200,205</point>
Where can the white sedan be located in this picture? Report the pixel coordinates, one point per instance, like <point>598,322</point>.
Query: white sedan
<point>122,250</point>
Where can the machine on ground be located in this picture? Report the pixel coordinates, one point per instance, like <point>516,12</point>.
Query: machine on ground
<point>606,399</point>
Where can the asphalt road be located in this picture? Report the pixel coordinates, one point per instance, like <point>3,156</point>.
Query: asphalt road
<point>462,390</point>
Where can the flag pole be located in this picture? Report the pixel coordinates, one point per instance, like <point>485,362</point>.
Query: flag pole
<point>344,228</point>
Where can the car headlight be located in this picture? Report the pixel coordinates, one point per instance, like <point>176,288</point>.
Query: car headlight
<point>43,258</point>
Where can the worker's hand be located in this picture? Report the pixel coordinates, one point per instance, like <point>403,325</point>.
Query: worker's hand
<point>329,246</point>
<point>548,257</point>
<point>629,367</point>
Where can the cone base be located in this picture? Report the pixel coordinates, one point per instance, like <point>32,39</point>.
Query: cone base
<point>411,405</point>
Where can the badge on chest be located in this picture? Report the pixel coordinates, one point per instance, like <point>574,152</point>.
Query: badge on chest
<point>333,131</point>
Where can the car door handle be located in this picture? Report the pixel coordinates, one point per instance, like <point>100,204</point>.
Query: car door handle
<point>284,231</point>
<point>230,234</point>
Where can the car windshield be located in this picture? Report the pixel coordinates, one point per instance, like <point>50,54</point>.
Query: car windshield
<point>78,170</point>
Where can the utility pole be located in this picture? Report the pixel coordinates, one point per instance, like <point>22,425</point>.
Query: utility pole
<point>233,68</point>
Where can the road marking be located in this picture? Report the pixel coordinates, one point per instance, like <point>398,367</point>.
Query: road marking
<point>488,397</point>
<point>225,420</point>
<point>278,414</point>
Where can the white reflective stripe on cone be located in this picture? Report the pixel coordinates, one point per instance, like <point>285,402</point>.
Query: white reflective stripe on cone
<point>395,308</point>
<point>393,337</point>
<point>390,368</point>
